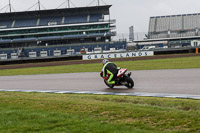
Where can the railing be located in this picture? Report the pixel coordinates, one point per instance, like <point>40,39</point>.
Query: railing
<point>52,31</point>
<point>60,25</point>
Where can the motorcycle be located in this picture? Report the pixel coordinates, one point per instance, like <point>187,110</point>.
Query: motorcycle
<point>122,79</point>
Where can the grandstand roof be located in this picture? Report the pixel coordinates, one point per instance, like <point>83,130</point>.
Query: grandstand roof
<point>169,39</point>
<point>57,12</point>
<point>175,15</point>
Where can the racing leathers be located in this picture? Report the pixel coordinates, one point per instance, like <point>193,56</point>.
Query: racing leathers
<point>112,70</point>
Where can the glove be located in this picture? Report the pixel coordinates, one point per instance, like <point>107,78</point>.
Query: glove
<point>105,78</point>
<point>118,67</point>
<point>101,74</point>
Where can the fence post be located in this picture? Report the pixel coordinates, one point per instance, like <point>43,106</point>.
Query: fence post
<point>197,50</point>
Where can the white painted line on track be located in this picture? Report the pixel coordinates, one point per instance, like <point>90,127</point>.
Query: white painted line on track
<point>162,95</point>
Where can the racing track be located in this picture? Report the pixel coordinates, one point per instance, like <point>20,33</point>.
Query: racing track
<point>176,81</point>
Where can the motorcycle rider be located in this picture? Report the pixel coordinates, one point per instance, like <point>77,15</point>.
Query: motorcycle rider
<point>111,69</point>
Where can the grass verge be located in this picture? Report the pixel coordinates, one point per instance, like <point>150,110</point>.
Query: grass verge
<point>50,113</point>
<point>171,63</point>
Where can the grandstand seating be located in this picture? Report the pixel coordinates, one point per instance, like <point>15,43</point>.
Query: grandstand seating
<point>178,25</point>
<point>32,30</point>
<point>50,21</point>
<point>75,19</point>
<point>95,17</point>
<point>6,24</point>
<point>25,23</point>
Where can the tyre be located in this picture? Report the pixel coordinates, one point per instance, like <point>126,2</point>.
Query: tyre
<point>130,82</point>
<point>109,85</point>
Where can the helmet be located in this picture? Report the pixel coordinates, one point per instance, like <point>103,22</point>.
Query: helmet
<point>105,61</point>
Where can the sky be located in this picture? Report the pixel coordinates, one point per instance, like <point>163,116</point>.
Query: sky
<point>126,12</point>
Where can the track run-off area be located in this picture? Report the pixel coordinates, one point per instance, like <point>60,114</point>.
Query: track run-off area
<point>177,83</point>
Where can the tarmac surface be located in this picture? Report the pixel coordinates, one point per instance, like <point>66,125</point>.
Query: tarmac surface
<point>175,81</point>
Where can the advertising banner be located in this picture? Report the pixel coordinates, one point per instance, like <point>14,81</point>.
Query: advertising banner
<point>117,55</point>
<point>3,56</point>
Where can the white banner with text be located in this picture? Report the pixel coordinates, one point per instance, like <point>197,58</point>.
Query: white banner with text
<point>117,55</point>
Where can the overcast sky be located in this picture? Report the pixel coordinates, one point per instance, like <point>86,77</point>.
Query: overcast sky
<point>126,12</point>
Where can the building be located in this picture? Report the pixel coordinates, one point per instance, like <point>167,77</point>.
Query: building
<point>57,32</point>
<point>185,25</point>
<point>174,31</point>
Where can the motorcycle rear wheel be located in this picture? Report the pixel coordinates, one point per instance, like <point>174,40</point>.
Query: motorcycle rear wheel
<point>109,85</point>
<point>130,82</point>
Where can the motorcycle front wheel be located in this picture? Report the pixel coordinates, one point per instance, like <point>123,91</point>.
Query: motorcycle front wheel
<point>130,82</point>
<point>109,85</point>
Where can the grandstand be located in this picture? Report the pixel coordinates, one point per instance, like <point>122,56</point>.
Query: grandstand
<point>53,32</point>
<point>172,32</point>
<point>174,26</point>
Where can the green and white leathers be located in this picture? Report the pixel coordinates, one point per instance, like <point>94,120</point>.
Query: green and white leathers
<point>112,70</point>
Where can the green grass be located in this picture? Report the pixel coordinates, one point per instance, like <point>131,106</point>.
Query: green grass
<point>74,113</point>
<point>171,63</point>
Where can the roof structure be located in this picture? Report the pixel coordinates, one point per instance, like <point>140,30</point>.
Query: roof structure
<point>57,12</point>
